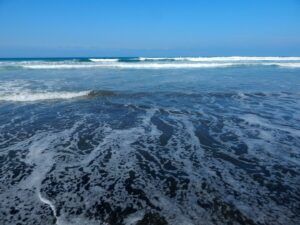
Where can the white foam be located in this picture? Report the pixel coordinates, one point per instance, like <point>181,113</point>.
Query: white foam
<point>29,96</point>
<point>104,60</point>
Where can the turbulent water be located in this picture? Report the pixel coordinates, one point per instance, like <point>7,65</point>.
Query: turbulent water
<point>202,140</point>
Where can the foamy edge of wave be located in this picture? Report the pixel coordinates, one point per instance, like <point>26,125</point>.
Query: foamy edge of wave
<point>28,97</point>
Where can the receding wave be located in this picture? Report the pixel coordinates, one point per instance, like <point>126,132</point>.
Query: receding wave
<point>31,96</point>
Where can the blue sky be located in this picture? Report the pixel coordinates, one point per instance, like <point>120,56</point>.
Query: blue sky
<point>41,28</point>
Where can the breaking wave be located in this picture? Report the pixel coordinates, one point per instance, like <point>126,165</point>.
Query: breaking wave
<point>150,63</point>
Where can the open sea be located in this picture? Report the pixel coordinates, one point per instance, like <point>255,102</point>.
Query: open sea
<point>150,141</point>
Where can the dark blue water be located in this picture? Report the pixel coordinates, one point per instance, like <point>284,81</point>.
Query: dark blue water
<point>134,142</point>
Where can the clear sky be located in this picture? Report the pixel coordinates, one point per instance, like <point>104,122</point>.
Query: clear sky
<point>41,28</point>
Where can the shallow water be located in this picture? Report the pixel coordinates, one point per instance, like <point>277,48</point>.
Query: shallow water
<point>150,145</point>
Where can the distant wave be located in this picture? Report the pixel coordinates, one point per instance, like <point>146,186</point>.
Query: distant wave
<point>222,59</point>
<point>28,96</point>
<point>104,60</point>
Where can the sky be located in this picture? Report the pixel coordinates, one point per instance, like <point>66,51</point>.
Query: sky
<point>69,28</point>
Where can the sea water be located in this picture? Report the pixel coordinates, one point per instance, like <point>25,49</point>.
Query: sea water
<point>194,140</point>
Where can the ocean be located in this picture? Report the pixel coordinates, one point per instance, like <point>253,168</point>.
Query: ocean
<point>133,140</point>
